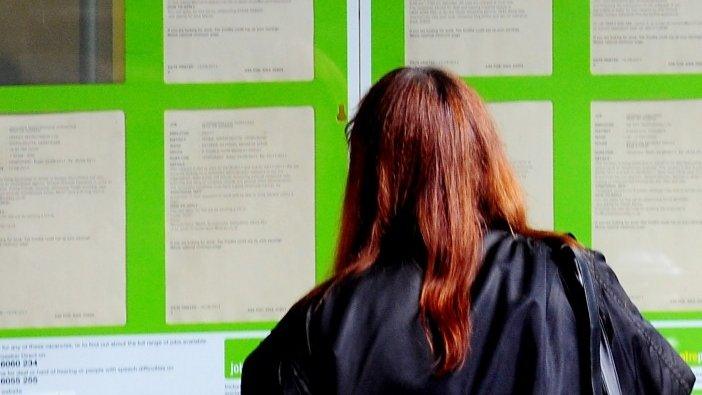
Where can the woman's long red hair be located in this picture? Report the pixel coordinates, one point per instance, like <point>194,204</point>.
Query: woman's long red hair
<point>428,173</point>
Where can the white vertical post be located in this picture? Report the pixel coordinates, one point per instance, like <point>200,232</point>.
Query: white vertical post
<point>365,46</point>
<point>353,54</point>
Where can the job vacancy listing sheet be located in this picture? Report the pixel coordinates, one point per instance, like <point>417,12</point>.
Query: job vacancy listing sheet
<point>242,40</point>
<point>62,220</point>
<point>647,198</point>
<point>240,212</point>
<point>476,37</point>
<point>645,37</point>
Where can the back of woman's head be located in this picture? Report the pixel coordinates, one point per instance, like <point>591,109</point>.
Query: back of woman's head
<point>427,173</point>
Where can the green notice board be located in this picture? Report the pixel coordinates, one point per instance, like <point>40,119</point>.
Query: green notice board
<point>570,87</point>
<point>144,97</point>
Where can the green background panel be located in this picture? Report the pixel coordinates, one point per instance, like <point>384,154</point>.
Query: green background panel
<point>144,97</point>
<point>235,352</point>
<point>571,88</point>
<point>687,342</point>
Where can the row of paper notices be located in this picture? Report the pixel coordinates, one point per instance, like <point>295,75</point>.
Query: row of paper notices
<point>240,209</point>
<point>508,37</point>
<point>647,198</point>
<point>656,36</point>
<point>243,40</point>
<point>526,129</point>
<point>240,213</point>
<point>476,37</point>
<point>62,222</point>
<point>240,216</point>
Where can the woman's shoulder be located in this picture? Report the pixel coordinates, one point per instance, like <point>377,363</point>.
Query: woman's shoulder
<point>517,270</point>
<point>389,291</point>
<point>523,255</point>
<point>523,273</point>
<point>373,318</point>
<point>371,315</point>
<point>387,294</point>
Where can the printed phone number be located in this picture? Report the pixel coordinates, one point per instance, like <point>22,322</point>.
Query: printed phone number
<point>18,380</point>
<point>16,363</point>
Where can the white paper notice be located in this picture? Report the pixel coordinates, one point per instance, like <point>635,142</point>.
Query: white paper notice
<point>242,40</point>
<point>62,220</point>
<point>477,37</point>
<point>647,198</point>
<point>644,37</point>
<point>240,212</point>
<point>173,364</point>
<point>526,129</point>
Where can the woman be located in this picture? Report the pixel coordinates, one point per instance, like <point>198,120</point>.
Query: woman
<point>440,285</point>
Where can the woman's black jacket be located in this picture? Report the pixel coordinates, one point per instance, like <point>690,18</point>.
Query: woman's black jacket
<point>530,335</point>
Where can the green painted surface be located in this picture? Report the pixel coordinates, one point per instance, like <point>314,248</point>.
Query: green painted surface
<point>235,352</point>
<point>144,97</point>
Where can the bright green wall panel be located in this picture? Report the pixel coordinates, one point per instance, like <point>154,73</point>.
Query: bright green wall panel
<point>144,97</point>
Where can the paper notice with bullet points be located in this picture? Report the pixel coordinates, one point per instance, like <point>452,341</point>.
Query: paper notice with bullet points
<point>240,213</point>
<point>646,194</point>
